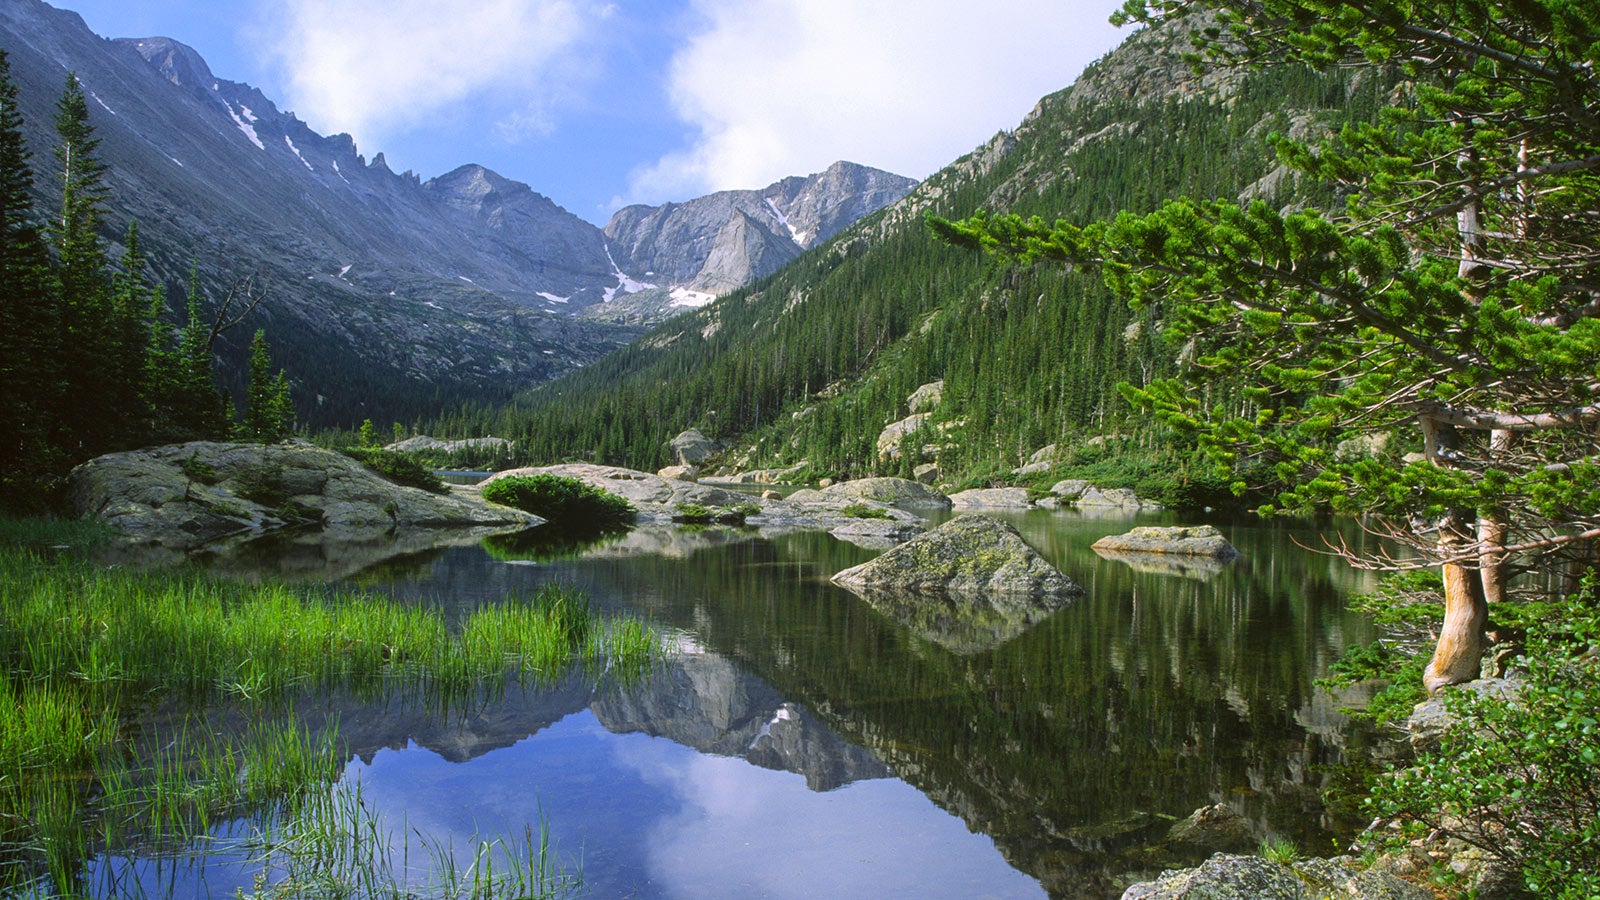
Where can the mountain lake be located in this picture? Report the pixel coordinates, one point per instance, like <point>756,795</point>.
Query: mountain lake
<point>797,742</point>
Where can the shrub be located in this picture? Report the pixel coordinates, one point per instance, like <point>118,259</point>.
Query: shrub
<point>1517,776</point>
<point>196,469</point>
<point>562,501</point>
<point>399,468</point>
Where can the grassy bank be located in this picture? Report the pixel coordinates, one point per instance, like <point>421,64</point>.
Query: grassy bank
<point>86,649</point>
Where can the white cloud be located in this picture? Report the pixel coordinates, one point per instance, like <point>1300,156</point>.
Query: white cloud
<point>378,67</point>
<point>785,87</point>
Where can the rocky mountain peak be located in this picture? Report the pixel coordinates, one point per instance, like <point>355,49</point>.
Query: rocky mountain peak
<point>178,62</point>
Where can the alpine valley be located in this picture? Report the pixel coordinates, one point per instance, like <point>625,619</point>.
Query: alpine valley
<point>385,295</point>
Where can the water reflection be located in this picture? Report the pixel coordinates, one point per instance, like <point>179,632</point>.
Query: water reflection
<point>805,742</point>
<point>1073,743</point>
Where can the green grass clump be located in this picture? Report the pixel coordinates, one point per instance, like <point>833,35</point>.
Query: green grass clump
<point>84,649</point>
<point>564,502</point>
<point>400,468</point>
<point>863,511</point>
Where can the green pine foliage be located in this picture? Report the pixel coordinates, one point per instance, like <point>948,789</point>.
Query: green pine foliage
<point>87,365</point>
<point>268,413</point>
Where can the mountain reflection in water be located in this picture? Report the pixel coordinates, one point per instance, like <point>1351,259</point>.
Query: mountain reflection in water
<point>802,742</point>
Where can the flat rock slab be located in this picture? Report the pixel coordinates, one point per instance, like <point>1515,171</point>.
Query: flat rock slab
<point>1195,540</point>
<point>901,492</point>
<point>992,498</point>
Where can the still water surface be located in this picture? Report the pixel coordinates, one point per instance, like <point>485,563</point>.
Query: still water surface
<point>801,743</point>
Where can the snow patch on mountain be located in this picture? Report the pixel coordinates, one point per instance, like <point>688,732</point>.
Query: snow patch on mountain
<point>246,123</point>
<point>682,296</point>
<point>290,142</point>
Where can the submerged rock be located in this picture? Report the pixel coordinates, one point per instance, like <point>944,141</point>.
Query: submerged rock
<point>969,585</point>
<point>1196,540</point>
<point>1224,877</point>
<point>1215,827</point>
<point>184,496</point>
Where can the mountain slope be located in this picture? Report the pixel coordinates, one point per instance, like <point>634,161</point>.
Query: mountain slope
<point>812,363</point>
<point>387,296</point>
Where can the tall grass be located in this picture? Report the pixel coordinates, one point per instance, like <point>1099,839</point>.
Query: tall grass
<point>83,648</point>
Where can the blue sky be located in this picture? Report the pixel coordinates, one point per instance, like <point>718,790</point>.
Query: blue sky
<point>600,103</point>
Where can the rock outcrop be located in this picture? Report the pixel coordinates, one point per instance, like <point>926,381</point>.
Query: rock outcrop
<point>1195,540</point>
<point>691,448</point>
<point>969,585</point>
<point>424,444</point>
<point>184,496</point>
<point>1225,877</point>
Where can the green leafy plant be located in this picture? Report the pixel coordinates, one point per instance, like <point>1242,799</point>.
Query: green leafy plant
<point>563,501</point>
<point>1517,774</point>
<point>399,468</point>
<point>196,469</point>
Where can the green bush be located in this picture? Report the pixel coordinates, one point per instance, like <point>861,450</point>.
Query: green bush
<point>863,511</point>
<point>562,501</point>
<point>1518,776</point>
<point>399,468</point>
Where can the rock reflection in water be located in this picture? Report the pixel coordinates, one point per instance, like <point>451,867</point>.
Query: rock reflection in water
<point>1200,568</point>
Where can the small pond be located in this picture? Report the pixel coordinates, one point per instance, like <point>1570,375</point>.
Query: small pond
<point>800,743</point>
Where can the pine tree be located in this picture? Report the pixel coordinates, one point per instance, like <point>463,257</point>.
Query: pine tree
<point>29,366</point>
<point>89,329</point>
<point>268,414</point>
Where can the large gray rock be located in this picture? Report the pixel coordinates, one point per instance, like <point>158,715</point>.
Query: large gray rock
<point>691,448</point>
<point>424,443</point>
<point>968,556</point>
<point>894,434</point>
<point>1193,540</point>
<point>901,492</point>
<point>1225,877</point>
<point>992,498</point>
<point>926,398</point>
<point>183,496</point>
<point>970,585</point>
<point>1432,719</point>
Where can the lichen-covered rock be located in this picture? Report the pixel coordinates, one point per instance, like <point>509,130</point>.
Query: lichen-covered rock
<point>680,473</point>
<point>1118,498</point>
<point>1432,718</point>
<point>1224,877</point>
<point>970,585</point>
<point>992,498</point>
<point>183,496</point>
<point>968,556</point>
<point>1041,461</point>
<point>1191,540</point>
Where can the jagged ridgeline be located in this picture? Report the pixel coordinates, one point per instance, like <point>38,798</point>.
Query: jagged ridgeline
<point>811,363</point>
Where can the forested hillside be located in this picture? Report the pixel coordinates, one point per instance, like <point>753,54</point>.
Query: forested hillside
<point>812,363</point>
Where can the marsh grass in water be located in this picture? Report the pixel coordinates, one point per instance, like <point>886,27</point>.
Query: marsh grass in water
<point>85,648</point>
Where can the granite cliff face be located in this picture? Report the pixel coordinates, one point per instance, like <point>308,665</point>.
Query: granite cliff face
<point>689,253</point>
